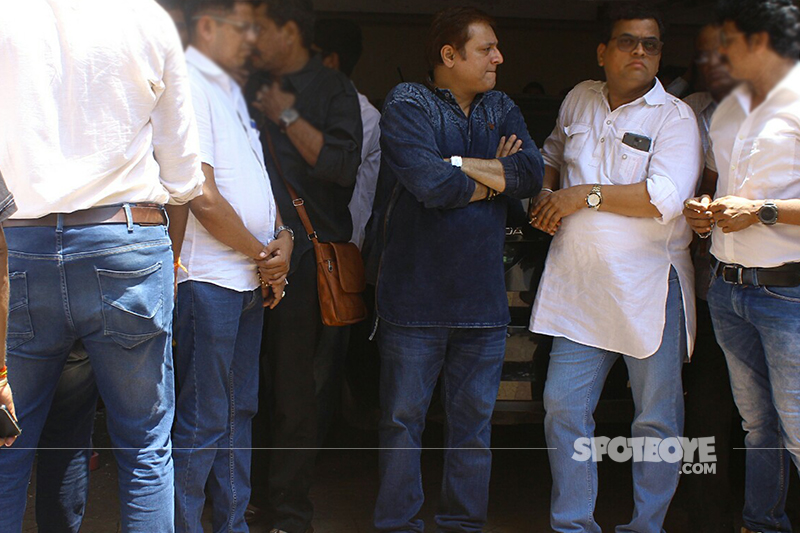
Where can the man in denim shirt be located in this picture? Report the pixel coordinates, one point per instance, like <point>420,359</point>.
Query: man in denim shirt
<point>449,150</point>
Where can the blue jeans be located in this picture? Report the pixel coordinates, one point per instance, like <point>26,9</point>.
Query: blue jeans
<point>758,328</point>
<point>470,361</point>
<point>218,334</point>
<point>109,285</point>
<point>65,447</point>
<point>575,380</point>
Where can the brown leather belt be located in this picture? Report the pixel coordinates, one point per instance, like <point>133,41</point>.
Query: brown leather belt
<point>787,275</point>
<point>142,214</point>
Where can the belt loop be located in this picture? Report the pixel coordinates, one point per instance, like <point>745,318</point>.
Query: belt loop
<point>755,277</point>
<point>59,222</point>
<point>128,216</point>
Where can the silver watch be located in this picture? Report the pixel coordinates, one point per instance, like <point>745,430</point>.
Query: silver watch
<point>288,117</point>
<point>284,228</point>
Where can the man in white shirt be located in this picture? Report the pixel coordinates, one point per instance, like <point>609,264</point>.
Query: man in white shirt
<point>754,296</point>
<point>623,157</point>
<point>236,255</point>
<point>97,134</point>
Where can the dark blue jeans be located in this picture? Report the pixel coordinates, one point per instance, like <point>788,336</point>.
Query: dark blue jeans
<point>758,328</point>
<point>109,285</point>
<point>65,447</point>
<point>218,333</point>
<point>470,361</point>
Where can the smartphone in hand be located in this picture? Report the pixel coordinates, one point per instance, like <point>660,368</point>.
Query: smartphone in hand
<point>8,426</point>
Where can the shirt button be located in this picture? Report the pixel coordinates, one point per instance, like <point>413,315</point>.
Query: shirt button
<point>602,139</point>
<point>624,156</point>
<point>733,167</point>
<point>608,122</point>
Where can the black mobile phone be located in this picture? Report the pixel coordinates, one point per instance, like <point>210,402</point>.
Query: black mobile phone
<point>8,426</point>
<point>640,142</point>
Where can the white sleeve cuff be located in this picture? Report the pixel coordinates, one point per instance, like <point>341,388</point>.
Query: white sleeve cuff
<point>664,196</point>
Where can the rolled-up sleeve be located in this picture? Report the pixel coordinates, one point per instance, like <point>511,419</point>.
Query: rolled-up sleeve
<point>340,156</point>
<point>524,170</point>
<point>675,166</point>
<point>409,150</point>
<point>175,139</point>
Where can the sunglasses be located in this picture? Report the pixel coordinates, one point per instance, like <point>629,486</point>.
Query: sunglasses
<point>629,43</point>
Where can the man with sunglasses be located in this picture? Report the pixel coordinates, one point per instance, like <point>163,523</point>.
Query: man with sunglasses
<point>754,297</point>
<point>236,256</point>
<point>623,157</point>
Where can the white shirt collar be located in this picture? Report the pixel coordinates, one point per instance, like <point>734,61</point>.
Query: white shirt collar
<point>791,82</point>
<point>209,68</point>
<point>655,96</point>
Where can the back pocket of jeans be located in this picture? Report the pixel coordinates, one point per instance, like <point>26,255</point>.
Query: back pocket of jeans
<point>20,329</point>
<point>133,304</point>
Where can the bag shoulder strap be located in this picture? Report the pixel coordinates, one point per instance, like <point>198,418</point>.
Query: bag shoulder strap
<point>297,202</point>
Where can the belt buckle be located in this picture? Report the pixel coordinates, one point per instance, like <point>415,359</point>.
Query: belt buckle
<point>737,269</point>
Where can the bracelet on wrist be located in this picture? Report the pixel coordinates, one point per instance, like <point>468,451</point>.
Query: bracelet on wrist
<point>287,229</point>
<point>4,372</point>
<point>547,189</point>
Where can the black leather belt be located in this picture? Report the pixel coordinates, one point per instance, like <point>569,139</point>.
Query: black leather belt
<point>142,214</point>
<point>787,275</point>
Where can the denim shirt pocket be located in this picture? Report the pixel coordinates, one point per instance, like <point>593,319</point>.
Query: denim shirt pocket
<point>133,304</point>
<point>20,328</point>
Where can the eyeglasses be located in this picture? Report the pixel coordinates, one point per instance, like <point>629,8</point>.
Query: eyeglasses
<point>629,43</point>
<point>704,58</point>
<point>240,26</point>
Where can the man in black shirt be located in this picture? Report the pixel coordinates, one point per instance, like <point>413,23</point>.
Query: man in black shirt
<point>311,116</point>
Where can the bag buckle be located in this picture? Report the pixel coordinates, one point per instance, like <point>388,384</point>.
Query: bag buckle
<point>312,236</point>
<point>297,202</point>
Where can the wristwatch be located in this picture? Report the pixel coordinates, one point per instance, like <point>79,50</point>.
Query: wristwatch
<point>288,117</point>
<point>283,228</point>
<point>768,213</point>
<point>456,161</point>
<point>594,198</point>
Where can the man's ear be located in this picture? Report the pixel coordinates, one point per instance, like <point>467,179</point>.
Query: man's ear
<point>758,41</point>
<point>331,60</point>
<point>448,54</point>
<point>292,32</point>
<point>601,50</point>
<point>204,29</point>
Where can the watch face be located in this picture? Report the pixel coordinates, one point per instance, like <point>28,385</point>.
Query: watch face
<point>593,199</point>
<point>768,214</point>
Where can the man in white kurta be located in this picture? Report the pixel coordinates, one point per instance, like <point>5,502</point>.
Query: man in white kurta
<point>623,157</point>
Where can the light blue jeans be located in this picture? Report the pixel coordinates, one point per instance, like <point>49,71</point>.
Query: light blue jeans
<point>758,328</point>
<point>575,380</point>
<point>218,333</point>
<point>470,361</point>
<point>109,285</point>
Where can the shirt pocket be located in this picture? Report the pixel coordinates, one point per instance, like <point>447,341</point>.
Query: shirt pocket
<point>576,136</point>
<point>628,165</point>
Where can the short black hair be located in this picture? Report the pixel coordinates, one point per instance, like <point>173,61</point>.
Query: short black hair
<point>630,11</point>
<point>780,19</point>
<point>300,11</point>
<point>343,37</point>
<point>452,26</point>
